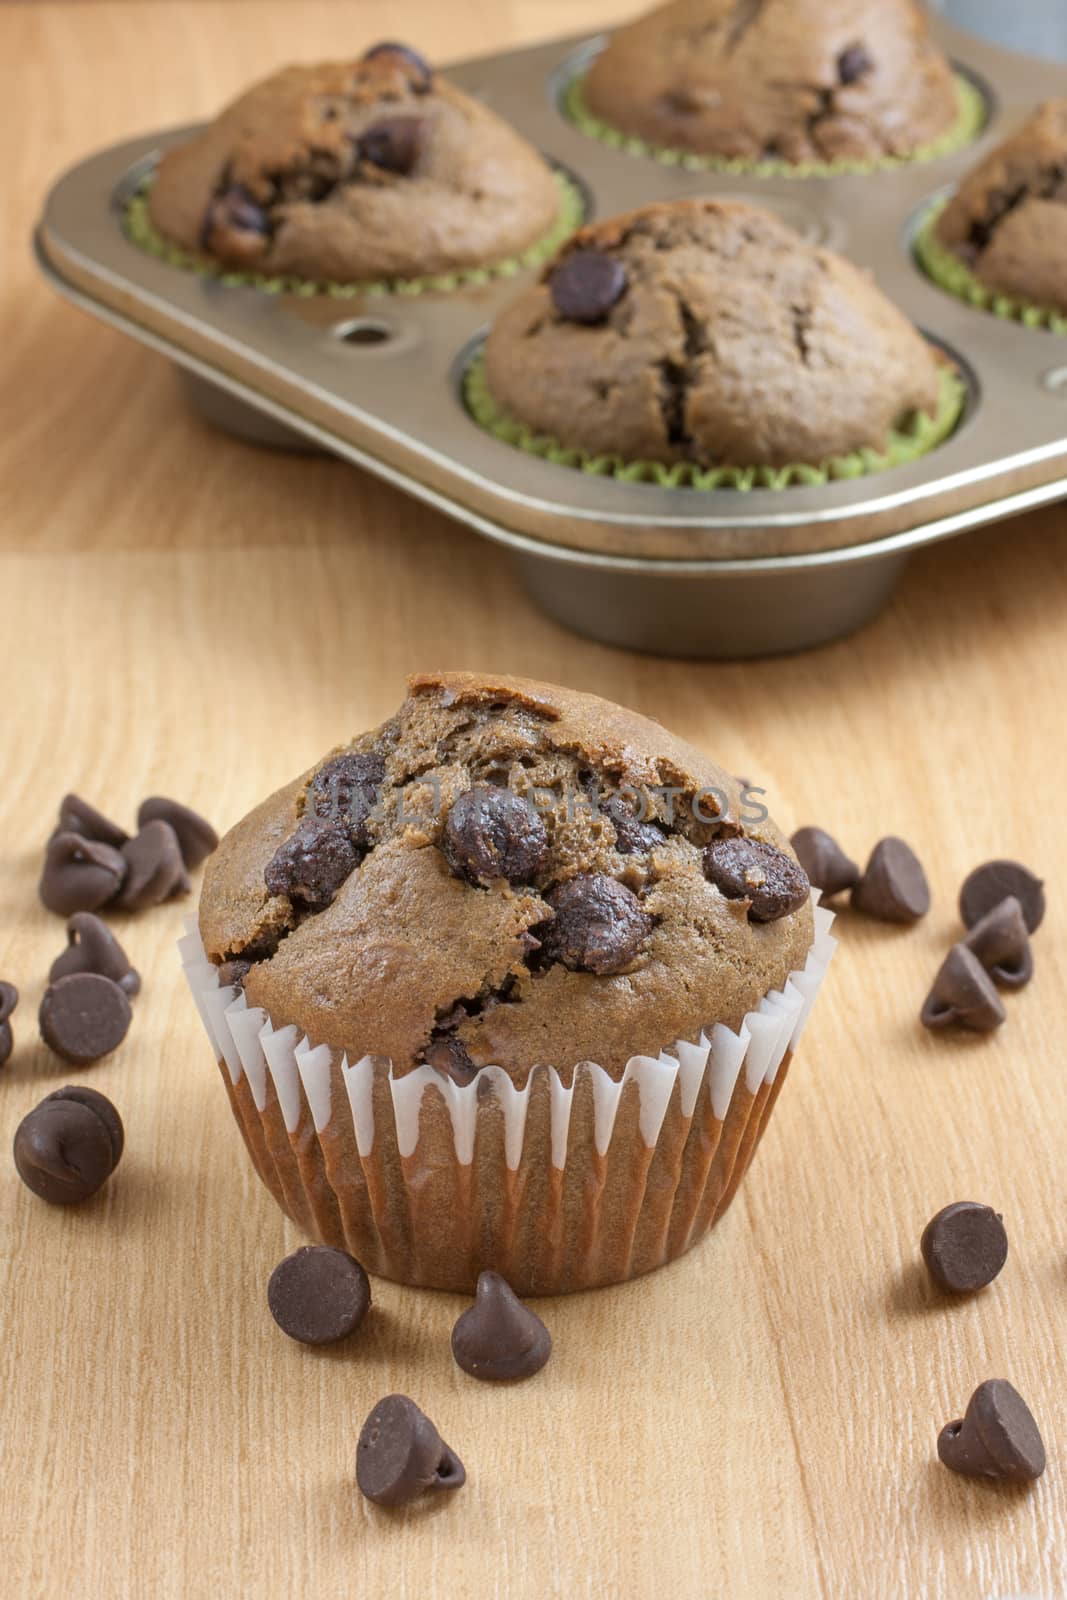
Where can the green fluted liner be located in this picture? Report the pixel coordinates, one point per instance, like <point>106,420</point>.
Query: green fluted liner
<point>953,275</point>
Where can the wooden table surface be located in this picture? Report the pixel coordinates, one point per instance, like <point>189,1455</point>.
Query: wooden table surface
<point>184,615</point>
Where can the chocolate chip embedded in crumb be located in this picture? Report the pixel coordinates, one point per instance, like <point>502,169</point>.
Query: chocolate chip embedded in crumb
<point>494,833</point>
<point>414,65</point>
<point>824,861</point>
<point>750,869</point>
<point>448,1054</point>
<point>998,1437</point>
<point>498,1337</point>
<point>83,1017</point>
<point>853,63</point>
<point>318,1295</point>
<point>78,816</point>
<point>893,887</point>
<point>393,144</point>
<point>67,1147</point>
<point>312,864</point>
<point>232,974</point>
<point>599,925</point>
<point>92,947</point>
<point>963,993</point>
<point>1002,944</point>
<point>236,211</point>
<point>346,791</point>
<point>400,1455</point>
<point>988,885</point>
<point>155,870</point>
<point>633,837</point>
<point>586,284</point>
<point>9,999</point>
<point>197,839</point>
<point>80,874</point>
<point>965,1246</point>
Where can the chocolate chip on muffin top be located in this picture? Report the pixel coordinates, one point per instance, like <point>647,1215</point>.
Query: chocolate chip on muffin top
<point>507,873</point>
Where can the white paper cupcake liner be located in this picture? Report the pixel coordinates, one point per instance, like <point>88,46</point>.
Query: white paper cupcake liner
<point>428,1181</point>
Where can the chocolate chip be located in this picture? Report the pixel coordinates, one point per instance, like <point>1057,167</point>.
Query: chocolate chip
<point>393,144</point>
<point>155,871</point>
<point>346,791</point>
<point>318,1295</point>
<point>988,885</point>
<point>197,839</point>
<point>69,1145</point>
<point>893,887</point>
<point>9,999</point>
<point>824,861</point>
<point>232,974</point>
<point>852,63</point>
<point>499,1337</point>
<point>494,833</point>
<point>235,210</point>
<point>448,1054</point>
<point>1002,944</point>
<point>312,864</point>
<point>998,1437</point>
<point>80,874</point>
<point>963,993</point>
<point>599,925</point>
<point>92,947</point>
<point>586,284</point>
<point>78,816</point>
<point>965,1246</point>
<point>633,837</point>
<point>417,68</point>
<point>83,1017</point>
<point>750,869</point>
<point>401,1454</point>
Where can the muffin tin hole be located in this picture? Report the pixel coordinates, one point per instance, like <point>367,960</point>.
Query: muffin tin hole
<point>365,333</point>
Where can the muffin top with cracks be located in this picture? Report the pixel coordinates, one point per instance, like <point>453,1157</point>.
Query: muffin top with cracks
<point>506,873</point>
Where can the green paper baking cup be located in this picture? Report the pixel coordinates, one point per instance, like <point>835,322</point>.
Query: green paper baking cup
<point>919,435</point>
<point>142,231</point>
<point>956,278</point>
<point>968,125</point>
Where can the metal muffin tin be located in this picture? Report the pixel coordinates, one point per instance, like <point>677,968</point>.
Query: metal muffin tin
<point>679,572</point>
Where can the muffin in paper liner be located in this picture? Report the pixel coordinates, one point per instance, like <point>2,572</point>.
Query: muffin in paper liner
<point>558,1185</point>
<point>945,268</point>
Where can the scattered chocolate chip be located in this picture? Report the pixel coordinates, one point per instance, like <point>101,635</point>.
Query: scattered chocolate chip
<point>92,947</point>
<point>416,66</point>
<point>9,999</point>
<point>893,887</point>
<point>988,885</point>
<point>998,1437</point>
<point>750,869</point>
<point>586,284</point>
<point>448,1054</point>
<point>155,870</point>
<point>963,993</point>
<point>80,874</point>
<point>346,791</point>
<point>852,63</point>
<point>1002,944</point>
<point>494,833</point>
<point>824,861</point>
<point>69,1145</point>
<point>232,974</point>
<point>633,837</point>
<point>197,839</point>
<point>965,1246</point>
<point>83,1017</point>
<point>393,144</point>
<point>318,1295</point>
<point>499,1337</point>
<point>78,816</point>
<point>235,211</point>
<point>401,1454</point>
<point>312,864</point>
<point>599,925</point>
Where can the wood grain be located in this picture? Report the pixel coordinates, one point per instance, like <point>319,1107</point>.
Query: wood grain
<point>185,615</point>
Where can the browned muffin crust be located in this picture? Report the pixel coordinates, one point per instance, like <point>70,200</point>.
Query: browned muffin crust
<point>419,958</point>
<point>780,80</point>
<point>1008,219</point>
<point>354,171</point>
<point>734,341</point>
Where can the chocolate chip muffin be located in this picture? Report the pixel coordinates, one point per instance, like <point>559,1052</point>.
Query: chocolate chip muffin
<point>516,941</point>
<point>708,332</point>
<point>790,81</point>
<point>1007,221</point>
<point>355,171</point>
